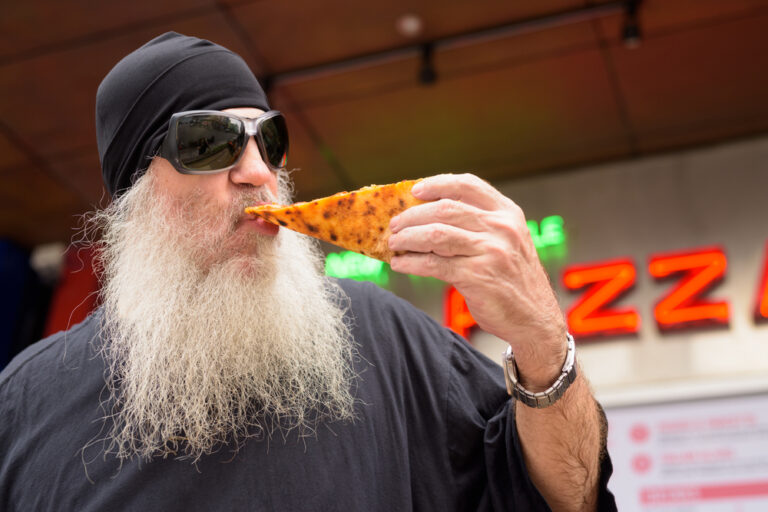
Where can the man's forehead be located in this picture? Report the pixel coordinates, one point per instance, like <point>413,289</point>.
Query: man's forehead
<point>248,112</point>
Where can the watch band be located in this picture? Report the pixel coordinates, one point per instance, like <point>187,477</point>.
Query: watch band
<point>550,395</point>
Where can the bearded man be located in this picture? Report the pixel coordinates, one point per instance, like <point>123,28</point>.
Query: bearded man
<point>223,371</point>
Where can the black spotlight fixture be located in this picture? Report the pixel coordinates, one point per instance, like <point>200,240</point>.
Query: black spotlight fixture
<point>427,73</point>
<point>630,34</point>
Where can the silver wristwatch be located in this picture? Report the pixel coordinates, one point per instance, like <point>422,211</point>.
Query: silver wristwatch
<point>553,393</point>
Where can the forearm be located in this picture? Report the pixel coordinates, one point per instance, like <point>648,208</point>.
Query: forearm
<point>562,446</point>
<point>470,235</point>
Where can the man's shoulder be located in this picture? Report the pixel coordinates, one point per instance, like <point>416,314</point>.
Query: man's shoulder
<point>360,289</point>
<point>59,350</point>
<point>366,296</point>
<point>392,328</point>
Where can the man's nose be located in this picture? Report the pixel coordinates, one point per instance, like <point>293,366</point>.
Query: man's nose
<point>251,169</point>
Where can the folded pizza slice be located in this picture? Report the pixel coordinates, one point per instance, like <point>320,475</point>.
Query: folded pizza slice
<point>357,221</point>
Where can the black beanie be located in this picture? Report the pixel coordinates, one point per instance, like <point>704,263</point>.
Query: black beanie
<point>171,73</point>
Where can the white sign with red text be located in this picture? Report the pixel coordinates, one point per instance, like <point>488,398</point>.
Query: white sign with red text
<point>700,456</point>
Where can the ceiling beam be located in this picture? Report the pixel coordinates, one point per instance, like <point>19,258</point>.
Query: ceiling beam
<point>468,38</point>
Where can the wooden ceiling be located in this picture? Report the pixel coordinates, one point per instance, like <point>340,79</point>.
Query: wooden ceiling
<point>504,107</point>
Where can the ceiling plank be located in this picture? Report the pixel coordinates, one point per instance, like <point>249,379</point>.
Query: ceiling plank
<point>296,34</point>
<point>511,117</point>
<point>51,98</point>
<point>695,80</point>
<point>81,23</point>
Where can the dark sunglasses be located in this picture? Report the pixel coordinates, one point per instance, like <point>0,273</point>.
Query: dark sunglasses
<point>209,141</point>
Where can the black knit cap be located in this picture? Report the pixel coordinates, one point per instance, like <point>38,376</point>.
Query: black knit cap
<point>171,73</point>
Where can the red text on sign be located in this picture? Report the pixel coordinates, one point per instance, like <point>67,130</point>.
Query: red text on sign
<point>457,315</point>
<point>683,305</point>
<point>607,281</point>
<point>761,307</point>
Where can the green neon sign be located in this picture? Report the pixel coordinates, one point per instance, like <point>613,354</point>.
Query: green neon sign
<point>351,265</point>
<point>547,233</point>
<point>548,237</point>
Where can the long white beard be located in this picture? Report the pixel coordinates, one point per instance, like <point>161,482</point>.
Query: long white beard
<point>211,337</point>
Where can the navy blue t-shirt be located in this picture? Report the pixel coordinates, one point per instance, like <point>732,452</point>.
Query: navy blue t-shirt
<point>435,432</point>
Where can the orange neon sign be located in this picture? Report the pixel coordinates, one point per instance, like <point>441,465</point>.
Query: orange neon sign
<point>699,270</point>
<point>609,280</point>
<point>761,306</point>
<point>457,315</point>
<point>682,306</point>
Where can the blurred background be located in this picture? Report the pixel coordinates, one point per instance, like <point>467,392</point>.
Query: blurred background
<point>634,135</point>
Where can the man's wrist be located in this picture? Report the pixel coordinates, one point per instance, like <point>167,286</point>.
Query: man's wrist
<point>542,362</point>
<point>552,391</point>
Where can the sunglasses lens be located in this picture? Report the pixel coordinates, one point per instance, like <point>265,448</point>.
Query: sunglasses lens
<point>208,142</point>
<point>274,134</point>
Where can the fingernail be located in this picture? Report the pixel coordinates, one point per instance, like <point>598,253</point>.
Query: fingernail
<point>417,188</point>
<point>393,223</point>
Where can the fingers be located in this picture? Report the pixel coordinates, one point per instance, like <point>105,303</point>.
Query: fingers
<point>466,188</point>
<point>427,265</point>
<point>444,211</point>
<point>441,239</point>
